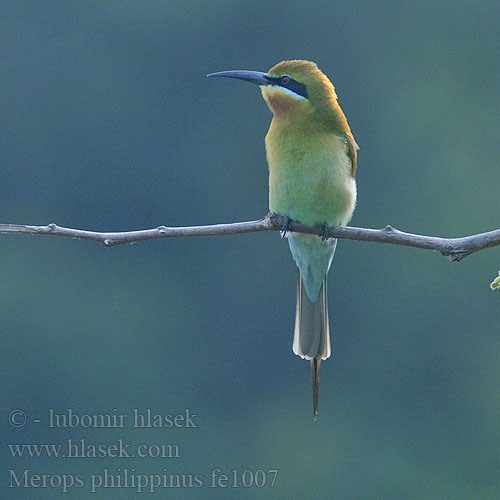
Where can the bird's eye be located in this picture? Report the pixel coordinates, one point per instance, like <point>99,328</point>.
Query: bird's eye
<point>285,79</point>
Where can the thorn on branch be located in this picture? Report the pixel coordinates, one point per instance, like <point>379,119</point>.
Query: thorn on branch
<point>456,256</point>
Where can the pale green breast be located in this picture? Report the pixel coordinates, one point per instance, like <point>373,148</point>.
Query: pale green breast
<point>310,177</point>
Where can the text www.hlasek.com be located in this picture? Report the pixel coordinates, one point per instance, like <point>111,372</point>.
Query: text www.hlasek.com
<point>81,448</point>
<point>129,479</point>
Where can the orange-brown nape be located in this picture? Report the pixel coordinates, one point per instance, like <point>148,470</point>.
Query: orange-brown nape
<point>308,73</point>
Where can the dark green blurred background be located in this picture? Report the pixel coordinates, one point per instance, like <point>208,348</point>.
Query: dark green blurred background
<point>108,123</point>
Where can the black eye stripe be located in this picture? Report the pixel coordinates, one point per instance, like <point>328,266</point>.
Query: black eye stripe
<point>287,82</point>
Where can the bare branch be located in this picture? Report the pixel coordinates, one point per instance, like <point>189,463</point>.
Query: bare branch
<point>453,248</point>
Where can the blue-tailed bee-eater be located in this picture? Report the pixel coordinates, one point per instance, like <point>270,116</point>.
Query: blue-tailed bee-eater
<point>311,154</point>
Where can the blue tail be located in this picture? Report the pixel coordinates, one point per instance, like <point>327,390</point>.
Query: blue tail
<point>311,339</point>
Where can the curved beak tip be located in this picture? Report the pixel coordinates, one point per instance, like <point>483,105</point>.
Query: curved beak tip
<point>256,77</point>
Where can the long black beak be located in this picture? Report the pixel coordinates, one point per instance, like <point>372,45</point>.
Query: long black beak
<point>250,76</point>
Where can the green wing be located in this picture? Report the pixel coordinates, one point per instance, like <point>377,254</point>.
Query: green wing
<point>351,150</point>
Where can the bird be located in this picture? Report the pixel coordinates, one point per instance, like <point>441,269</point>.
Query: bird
<point>312,158</point>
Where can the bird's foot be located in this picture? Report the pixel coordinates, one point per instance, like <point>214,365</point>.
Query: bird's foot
<point>324,232</point>
<point>286,227</point>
